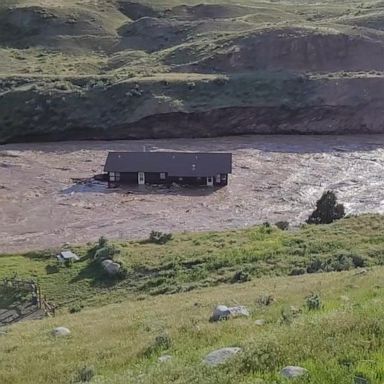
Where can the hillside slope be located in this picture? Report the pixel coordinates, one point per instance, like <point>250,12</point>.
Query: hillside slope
<point>338,343</point>
<point>119,69</point>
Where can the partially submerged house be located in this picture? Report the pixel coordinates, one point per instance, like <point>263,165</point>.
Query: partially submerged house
<point>211,169</point>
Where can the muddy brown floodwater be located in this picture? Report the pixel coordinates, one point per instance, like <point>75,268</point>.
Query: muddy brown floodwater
<point>274,178</point>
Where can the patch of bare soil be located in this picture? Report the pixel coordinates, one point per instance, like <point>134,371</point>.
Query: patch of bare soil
<point>211,11</point>
<point>294,48</point>
<point>274,178</point>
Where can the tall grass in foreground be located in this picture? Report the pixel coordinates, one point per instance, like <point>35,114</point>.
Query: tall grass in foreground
<point>341,340</point>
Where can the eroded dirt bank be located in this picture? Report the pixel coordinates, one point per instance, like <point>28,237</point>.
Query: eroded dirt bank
<point>274,178</point>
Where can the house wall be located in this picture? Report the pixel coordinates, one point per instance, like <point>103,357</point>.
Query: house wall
<point>128,177</point>
<point>154,178</point>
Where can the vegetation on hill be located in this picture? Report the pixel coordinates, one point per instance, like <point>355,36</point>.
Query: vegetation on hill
<point>191,261</point>
<point>181,70</point>
<point>328,323</point>
<point>337,343</point>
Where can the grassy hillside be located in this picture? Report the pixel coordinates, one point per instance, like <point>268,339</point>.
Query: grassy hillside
<point>170,291</point>
<point>192,261</point>
<point>339,342</point>
<point>58,60</point>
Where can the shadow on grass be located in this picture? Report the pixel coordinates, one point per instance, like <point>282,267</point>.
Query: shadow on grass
<point>95,273</point>
<point>50,269</point>
<point>39,255</point>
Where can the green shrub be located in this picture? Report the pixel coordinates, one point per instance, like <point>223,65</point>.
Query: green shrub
<point>342,263</point>
<point>297,271</point>
<point>159,237</point>
<point>358,261</point>
<point>282,225</point>
<point>84,375</point>
<point>103,241</point>
<point>327,210</point>
<point>315,265</point>
<point>107,252</point>
<point>265,300</point>
<point>313,302</point>
<point>240,277</point>
<point>76,308</point>
<point>161,343</point>
<point>263,356</point>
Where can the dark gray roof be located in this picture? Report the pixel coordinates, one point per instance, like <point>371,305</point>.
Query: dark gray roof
<point>174,163</point>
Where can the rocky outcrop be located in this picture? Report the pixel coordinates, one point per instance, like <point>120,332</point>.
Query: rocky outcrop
<point>294,105</point>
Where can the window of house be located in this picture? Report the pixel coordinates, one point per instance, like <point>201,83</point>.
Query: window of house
<point>162,175</point>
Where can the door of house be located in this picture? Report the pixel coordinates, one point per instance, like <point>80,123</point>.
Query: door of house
<point>210,181</point>
<point>141,178</point>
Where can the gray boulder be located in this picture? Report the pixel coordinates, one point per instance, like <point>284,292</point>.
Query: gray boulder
<point>111,267</point>
<point>239,311</point>
<point>292,372</point>
<point>220,356</point>
<point>222,312</point>
<point>260,322</point>
<point>61,331</point>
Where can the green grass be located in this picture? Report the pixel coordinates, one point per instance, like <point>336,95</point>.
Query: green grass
<point>192,261</point>
<point>342,340</point>
<point>116,322</point>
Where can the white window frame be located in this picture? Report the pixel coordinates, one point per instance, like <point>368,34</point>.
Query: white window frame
<point>141,178</point>
<point>210,181</point>
<point>162,176</point>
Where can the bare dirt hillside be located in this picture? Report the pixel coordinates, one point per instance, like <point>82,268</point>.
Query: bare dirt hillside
<point>155,69</point>
<point>274,178</point>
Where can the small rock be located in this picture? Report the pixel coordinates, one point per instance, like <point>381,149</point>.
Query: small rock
<point>110,267</point>
<point>220,356</point>
<point>164,358</point>
<point>292,372</point>
<point>260,322</point>
<point>361,271</point>
<point>61,331</point>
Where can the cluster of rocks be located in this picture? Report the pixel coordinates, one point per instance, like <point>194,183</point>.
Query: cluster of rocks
<point>218,356</point>
<point>223,355</point>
